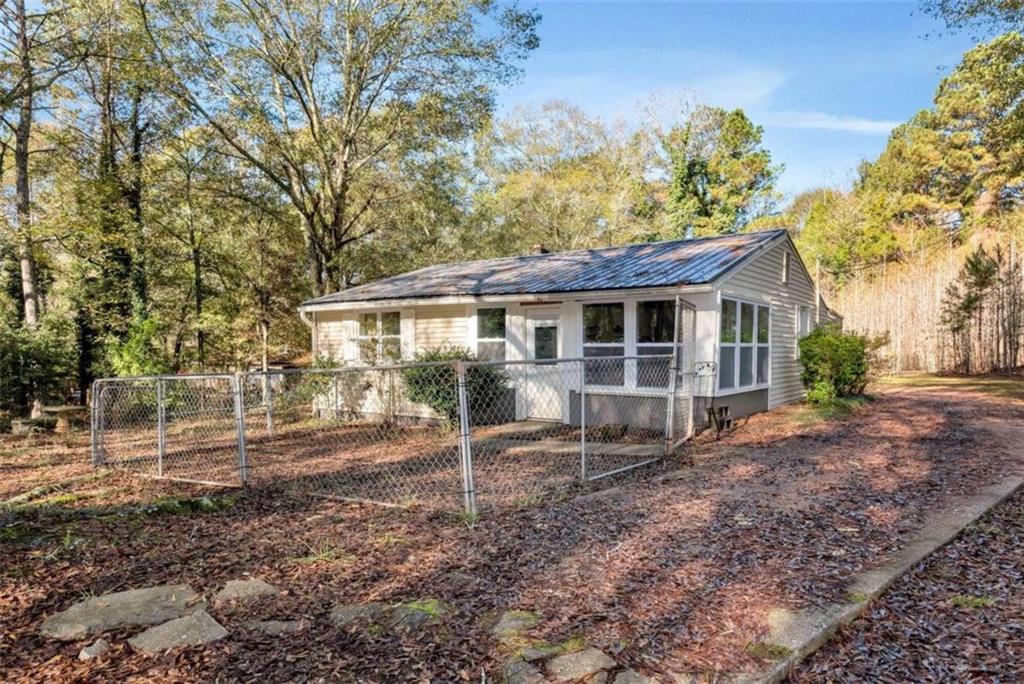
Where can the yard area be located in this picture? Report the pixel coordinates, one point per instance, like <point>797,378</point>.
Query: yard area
<point>674,570</point>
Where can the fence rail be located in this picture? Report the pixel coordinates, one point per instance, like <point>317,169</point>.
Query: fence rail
<point>469,433</point>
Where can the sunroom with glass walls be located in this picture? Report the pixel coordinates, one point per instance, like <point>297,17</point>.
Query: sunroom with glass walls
<point>744,346</point>
<point>634,327</point>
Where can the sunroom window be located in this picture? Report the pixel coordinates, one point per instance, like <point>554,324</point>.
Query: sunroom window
<point>490,334</point>
<point>744,350</point>
<point>655,333</point>
<point>604,336</point>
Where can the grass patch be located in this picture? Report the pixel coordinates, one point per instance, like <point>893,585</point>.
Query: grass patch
<point>972,602</point>
<point>323,552</point>
<point>857,597</point>
<point>834,409</point>
<point>173,505</point>
<point>759,649</point>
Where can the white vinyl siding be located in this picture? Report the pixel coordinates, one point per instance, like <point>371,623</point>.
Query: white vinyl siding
<point>759,281</point>
<point>440,326</point>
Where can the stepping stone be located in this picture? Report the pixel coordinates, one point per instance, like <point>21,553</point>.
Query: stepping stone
<point>279,627</point>
<point>521,672</point>
<point>192,630</point>
<point>599,678</point>
<point>572,666</point>
<point>135,607</point>
<point>415,614</point>
<point>95,650</point>
<point>348,613</point>
<point>632,677</point>
<point>244,590</point>
<point>512,623</point>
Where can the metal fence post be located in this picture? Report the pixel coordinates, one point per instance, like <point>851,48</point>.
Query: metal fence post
<point>337,392</point>
<point>465,445</point>
<point>268,402</point>
<point>673,371</point>
<point>161,426</point>
<point>583,420</point>
<point>239,397</point>
<point>94,424</point>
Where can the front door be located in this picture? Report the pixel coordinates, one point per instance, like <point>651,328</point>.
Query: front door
<point>543,381</point>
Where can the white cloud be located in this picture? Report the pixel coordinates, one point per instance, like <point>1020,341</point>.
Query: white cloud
<point>826,122</point>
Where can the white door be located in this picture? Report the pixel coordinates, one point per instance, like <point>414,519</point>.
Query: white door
<point>543,381</point>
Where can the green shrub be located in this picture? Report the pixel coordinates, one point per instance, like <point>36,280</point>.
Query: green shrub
<point>437,386</point>
<point>822,393</point>
<point>836,359</point>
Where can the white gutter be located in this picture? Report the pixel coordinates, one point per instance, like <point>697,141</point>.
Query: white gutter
<point>309,318</point>
<point>474,299</point>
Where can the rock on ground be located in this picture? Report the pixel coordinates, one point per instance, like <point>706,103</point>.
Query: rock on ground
<point>95,650</point>
<point>244,590</point>
<point>348,613</point>
<point>134,607</point>
<point>632,677</point>
<point>512,623</point>
<point>572,666</point>
<point>279,627</point>
<point>521,672</point>
<point>192,630</point>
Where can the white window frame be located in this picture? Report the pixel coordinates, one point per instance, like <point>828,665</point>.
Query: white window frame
<point>651,345</point>
<point>378,337</point>
<point>628,379</point>
<point>476,329</point>
<point>799,331</point>
<point>738,345</point>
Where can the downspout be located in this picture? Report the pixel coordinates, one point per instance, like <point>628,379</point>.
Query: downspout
<point>309,318</point>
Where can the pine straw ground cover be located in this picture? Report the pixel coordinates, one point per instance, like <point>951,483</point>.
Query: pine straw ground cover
<point>673,570</point>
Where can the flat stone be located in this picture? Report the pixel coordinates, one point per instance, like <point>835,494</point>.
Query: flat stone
<point>512,623</point>
<point>521,672</point>
<point>95,650</point>
<point>633,677</point>
<point>135,607</point>
<point>348,613</point>
<point>279,627</point>
<point>192,630</point>
<point>539,652</point>
<point>415,615</point>
<point>572,666</point>
<point>244,590</point>
<point>599,678</point>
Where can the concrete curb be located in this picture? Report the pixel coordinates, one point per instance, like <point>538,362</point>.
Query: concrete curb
<point>801,634</point>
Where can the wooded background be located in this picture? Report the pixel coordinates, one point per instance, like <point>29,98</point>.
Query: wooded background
<point>179,175</point>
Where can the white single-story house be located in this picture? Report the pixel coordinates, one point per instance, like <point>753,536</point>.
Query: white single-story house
<point>752,295</point>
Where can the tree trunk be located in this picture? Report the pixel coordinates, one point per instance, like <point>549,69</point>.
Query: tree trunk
<point>22,137</point>
<point>133,195</point>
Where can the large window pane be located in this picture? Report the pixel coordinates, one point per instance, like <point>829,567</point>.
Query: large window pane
<point>655,321</point>
<point>368,325</point>
<point>728,320</point>
<point>762,365</point>
<point>601,370</point>
<point>391,323</point>
<point>762,324</point>
<point>653,372</point>
<point>746,323</point>
<point>545,342</point>
<point>603,323</point>
<point>490,324</point>
<point>391,348</point>
<point>727,368</point>
<point>746,366</point>
<point>490,351</point>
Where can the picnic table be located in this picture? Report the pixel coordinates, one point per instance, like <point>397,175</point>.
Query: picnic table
<point>64,414</point>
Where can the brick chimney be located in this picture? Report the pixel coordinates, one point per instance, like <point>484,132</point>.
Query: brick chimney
<point>540,249</point>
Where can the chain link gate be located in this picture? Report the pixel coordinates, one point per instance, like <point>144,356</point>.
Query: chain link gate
<point>179,427</point>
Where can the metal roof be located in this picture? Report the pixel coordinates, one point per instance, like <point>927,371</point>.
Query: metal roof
<point>654,264</point>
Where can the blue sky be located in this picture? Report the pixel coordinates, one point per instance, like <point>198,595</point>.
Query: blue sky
<point>826,80</point>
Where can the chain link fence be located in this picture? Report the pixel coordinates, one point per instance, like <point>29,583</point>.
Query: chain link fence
<point>473,434</point>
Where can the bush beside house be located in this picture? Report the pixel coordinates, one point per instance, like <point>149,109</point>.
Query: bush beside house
<point>836,364</point>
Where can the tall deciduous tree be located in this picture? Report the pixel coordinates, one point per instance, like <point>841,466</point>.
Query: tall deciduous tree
<point>721,176</point>
<point>328,99</point>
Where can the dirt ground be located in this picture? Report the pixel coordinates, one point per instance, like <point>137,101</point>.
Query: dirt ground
<point>673,570</point>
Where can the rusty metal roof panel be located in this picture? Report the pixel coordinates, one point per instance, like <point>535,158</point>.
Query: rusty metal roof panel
<point>655,264</point>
